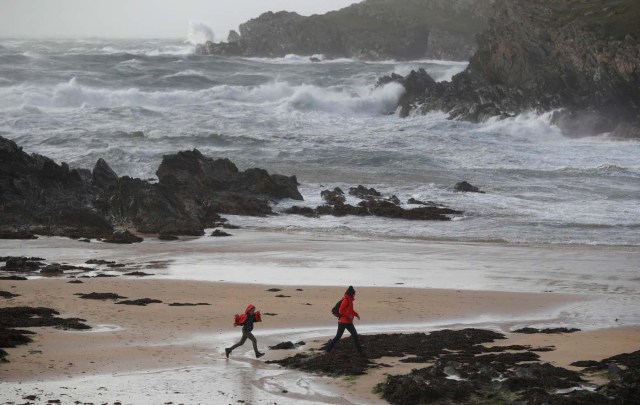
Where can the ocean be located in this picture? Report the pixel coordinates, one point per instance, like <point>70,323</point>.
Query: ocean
<point>133,101</point>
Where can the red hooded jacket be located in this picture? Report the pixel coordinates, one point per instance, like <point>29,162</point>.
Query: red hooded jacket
<point>346,310</point>
<point>242,318</point>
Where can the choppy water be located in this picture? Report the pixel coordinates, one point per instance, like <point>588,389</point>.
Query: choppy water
<point>130,102</point>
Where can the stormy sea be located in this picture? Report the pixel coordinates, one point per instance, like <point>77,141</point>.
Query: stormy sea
<point>555,215</point>
<point>132,101</point>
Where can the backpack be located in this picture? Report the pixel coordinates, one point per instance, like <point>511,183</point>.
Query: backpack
<point>336,308</point>
<point>239,319</point>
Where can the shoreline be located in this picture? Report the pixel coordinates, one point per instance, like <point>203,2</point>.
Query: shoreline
<point>157,343</point>
<point>401,287</point>
<point>127,328</point>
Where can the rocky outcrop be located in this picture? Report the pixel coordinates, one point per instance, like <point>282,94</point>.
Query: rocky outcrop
<point>38,196</point>
<point>372,30</point>
<point>209,186</point>
<point>578,58</point>
<point>150,208</point>
<point>372,204</point>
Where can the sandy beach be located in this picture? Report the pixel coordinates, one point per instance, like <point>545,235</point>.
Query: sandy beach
<point>157,345</point>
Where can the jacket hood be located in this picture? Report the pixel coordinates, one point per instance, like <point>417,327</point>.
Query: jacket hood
<point>249,308</point>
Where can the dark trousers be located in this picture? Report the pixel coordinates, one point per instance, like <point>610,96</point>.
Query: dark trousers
<point>246,335</point>
<point>354,336</point>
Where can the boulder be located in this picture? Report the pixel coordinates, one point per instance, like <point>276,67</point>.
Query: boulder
<point>466,187</point>
<point>333,197</point>
<point>41,196</point>
<point>122,237</point>
<point>372,204</point>
<point>363,192</point>
<point>103,176</point>
<point>210,186</point>
<point>150,208</point>
<point>53,269</point>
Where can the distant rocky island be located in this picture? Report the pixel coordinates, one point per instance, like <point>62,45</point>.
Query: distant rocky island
<point>370,30</point>
<point>577,58</point>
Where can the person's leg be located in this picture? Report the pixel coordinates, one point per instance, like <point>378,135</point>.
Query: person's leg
<point>228,350</point>
<point>354,335</point>
<point>255,344</point>
<point>339,333</point>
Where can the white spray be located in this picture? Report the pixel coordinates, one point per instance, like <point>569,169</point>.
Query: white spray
<point>199,32</point>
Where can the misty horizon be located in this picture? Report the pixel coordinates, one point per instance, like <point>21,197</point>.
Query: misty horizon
<point>140,19</point>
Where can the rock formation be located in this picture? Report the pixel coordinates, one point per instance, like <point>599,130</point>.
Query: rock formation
<point>578,58</point>
<point>372,204</point>
<point>39,196</point>
<point>370,30</point>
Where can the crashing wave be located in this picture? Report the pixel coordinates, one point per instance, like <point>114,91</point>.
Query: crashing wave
<point>199,32</point>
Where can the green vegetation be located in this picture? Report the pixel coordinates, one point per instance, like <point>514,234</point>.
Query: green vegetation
<point>609,19</point>
<point>408,13</point>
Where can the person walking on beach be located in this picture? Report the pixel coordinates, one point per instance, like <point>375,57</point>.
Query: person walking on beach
<point>347,312</point>
<point>247,320</point>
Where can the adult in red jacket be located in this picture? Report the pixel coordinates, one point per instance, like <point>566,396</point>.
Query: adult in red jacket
<point>347,312</point>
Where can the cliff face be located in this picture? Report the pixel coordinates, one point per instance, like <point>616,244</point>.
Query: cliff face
<point>580,56</point>
<point>373,29</point>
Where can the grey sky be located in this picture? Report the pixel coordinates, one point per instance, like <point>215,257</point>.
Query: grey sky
<point>140,18</point>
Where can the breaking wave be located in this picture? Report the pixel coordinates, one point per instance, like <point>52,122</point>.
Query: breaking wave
<point>199,32</point>
<point>286,96</point>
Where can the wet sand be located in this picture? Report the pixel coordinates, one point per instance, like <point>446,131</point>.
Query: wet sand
<point>140,339</point>
<point>176,353</point>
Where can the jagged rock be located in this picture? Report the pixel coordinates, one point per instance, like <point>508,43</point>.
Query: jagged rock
<point>103,176</point>
<point>17,234</point>
<point>53,269</point>
<point>363,192</point>
<point>286,345</point>
<point>209,186</point>
<point>333,197</point>
<point>545,56</point>
<point>168,237</point>
<point>233,37</point>
<point>418,202</point>
<point>40,196</point>
<point>122,237</point>
<point>99,261</point>
<point>219,233</point>
<point>13,278</point>
<point>151,208</point>
<point>372,29</point>
<point>466,187</point>
<point>21,264</point>
<point>379,208</point>
<point>138,273</point>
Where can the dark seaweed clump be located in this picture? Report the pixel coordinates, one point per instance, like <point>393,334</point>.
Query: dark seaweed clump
<point>462,370</point>
<point>12,318</point>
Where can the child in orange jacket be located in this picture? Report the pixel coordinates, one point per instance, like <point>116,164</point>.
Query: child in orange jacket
<point>247,320</point>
